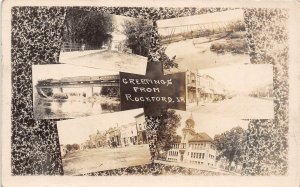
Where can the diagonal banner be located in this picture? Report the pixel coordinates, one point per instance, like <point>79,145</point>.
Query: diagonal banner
<point>153,92</point>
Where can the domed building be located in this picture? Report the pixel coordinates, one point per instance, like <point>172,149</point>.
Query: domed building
<point>194,148</point>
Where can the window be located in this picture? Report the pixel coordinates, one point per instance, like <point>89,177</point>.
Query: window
<point>203,155</point>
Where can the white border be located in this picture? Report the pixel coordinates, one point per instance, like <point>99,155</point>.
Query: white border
<point>292,179</point>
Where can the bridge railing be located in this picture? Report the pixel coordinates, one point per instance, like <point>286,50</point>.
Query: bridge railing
<point>177,33</point>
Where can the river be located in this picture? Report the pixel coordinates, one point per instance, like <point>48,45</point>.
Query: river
<point>60,109</point>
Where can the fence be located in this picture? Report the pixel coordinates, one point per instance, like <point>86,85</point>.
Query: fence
<point>68,47</point>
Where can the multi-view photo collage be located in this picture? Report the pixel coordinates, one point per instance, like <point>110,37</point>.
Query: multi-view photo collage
<point>222,92</point>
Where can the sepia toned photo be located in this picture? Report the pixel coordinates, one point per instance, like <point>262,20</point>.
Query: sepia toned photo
<point>67,91</point>
<point>103,142</point>
<point>205,144</point>
<point>150,93</point>
<point>100,40</point>
<point>240,91</point>
<point>204,41</point>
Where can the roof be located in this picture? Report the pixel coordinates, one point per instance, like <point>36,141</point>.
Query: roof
<point>201,137</point>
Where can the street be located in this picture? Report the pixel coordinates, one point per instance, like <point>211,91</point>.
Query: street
<point>110,60</point>
<point>93,160</point>
<point>242,107</point>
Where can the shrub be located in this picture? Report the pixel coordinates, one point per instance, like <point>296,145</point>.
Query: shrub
<point>60,96</point>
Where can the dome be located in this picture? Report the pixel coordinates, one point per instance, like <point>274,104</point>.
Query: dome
<point>190,123</point>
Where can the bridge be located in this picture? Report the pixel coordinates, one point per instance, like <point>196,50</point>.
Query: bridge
<point>175,33</point>
<point>58,85</point>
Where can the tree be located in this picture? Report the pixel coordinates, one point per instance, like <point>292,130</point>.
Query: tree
<point>75,146</point>
<point>166,132</point>
<point>138,33</point>
<point>167,62</point>
<point>89,27</point>
<point>231,145</point>
<point>69,147</point>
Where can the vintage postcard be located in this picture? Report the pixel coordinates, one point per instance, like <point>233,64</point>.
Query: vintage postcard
<point>150,93</point>
<point>205,144</point>
<point>103,142</point>
<point>68,91</point>
<point>204,41</point>
<point>107,41</point>
<point>239,90</point>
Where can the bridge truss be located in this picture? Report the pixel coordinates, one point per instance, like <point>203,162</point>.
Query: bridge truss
<point>171,34</point>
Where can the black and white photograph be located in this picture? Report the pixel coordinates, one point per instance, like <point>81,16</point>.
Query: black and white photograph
<point>207,144</point>
<point>107,41</point>
<point>103,142</point>
<point>150,93</point>
<point>204,41</point>
<point>66,91</point>
<point>241,91</point>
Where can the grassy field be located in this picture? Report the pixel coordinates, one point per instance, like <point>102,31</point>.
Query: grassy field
<point>235,43</point>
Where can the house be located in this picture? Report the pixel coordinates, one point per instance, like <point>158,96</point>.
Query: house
<point>141,128</point>
<point>114,136</point>
<point>194,148</point>
<point>128,134</point>
<point>203,88</point>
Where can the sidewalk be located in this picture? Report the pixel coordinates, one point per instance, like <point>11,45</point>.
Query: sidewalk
<point>194,166</point>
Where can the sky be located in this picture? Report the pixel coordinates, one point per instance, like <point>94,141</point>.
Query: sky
<point>119,21</point>
<point>58,71</point>
<point>224,16</point>
<point>78,130</point>
<point>241,78</point>
<point>210,123</point>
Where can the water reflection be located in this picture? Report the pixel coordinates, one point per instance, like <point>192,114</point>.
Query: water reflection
<point>54,109</point>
